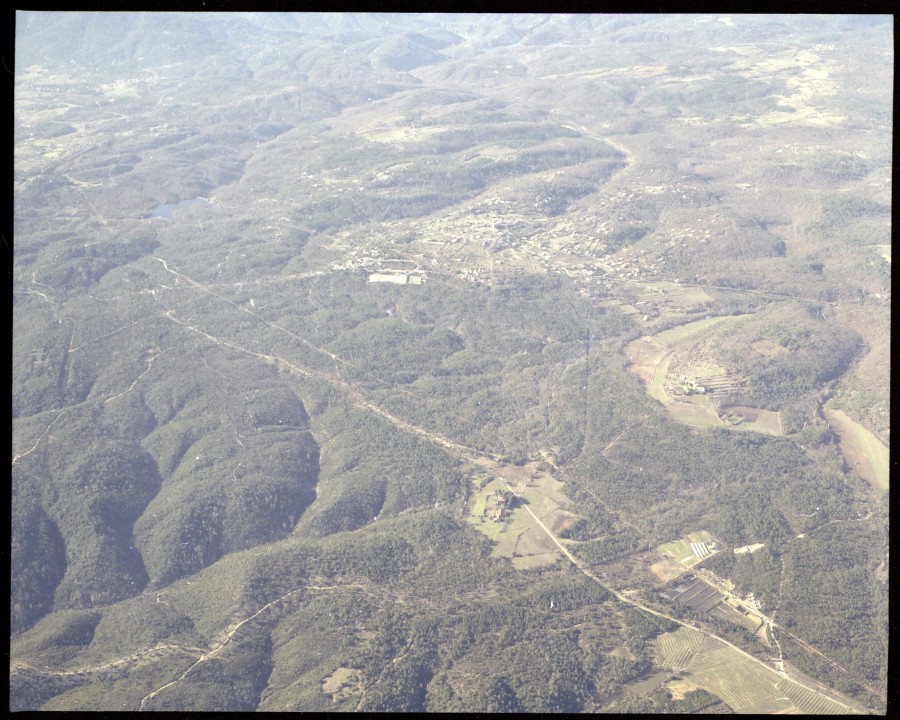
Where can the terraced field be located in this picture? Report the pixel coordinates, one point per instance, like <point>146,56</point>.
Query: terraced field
<point>678,370</point>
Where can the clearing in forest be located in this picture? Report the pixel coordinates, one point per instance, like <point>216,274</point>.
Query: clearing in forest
<point>864,452</point>
<point>342,682</point>
<point>690,549</point>
<point>740,417</point>
<point>678,369</point>
<point>666,570</point>
<point>498,513</point>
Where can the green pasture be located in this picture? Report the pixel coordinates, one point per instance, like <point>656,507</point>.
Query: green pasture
<point>656,389</point>
<point>680,550</point>
<point>540,495</point>
<point>694,414</point>
<point>767,422</point>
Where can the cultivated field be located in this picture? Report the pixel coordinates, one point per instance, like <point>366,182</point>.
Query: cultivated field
<point>678,370</point>
<point>741,683</point>
<point>673,296</point>
<point>740,417</point>
<point>726,611</point>
<point>864,452</point>
<point>682,335</point>
<point>700,413</point>
<point>680,549</point>
<point>677,649</point>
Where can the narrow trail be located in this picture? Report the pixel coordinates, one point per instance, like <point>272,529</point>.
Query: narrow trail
<point>276,326</point>
<point>282,363</point>
<point>226,418</point>
<point>217,648</point>
<point>827,659</point>
<point>769,620</point>
<point>101,337</point>
<point>37,442</point>
<point>149,366</point>
<point>612,443</point>
<point>567,478</point>
<point>201,654</point>
<point>109,664</point>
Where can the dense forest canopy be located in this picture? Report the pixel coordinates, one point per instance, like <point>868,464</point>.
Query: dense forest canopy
<point>450,362</point>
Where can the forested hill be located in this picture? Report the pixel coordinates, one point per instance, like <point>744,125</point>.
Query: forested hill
<point>483,363</point>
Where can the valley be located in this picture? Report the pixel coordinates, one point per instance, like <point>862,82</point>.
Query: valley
<point>453,363</point>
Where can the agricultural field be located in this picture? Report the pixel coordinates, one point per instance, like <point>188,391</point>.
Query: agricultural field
<point>864,452</point>
<point>727,611</point>
<point>684,336</point>
<point>677,369</point>
<point>739,417</point>
<point>695,413</point>
<point>743,684</point>
<point>518,536</point>
<point>676,650</point>
<point>682,551</point>
<point>671,299</point>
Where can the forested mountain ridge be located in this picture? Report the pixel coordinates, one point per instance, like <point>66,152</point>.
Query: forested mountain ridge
<point>355,352</point>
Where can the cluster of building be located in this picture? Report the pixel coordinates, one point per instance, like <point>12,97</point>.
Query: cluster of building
<point>502,506</point>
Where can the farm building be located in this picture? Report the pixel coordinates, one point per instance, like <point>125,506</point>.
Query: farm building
<point>504,502</point>
<point>396,278</point>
